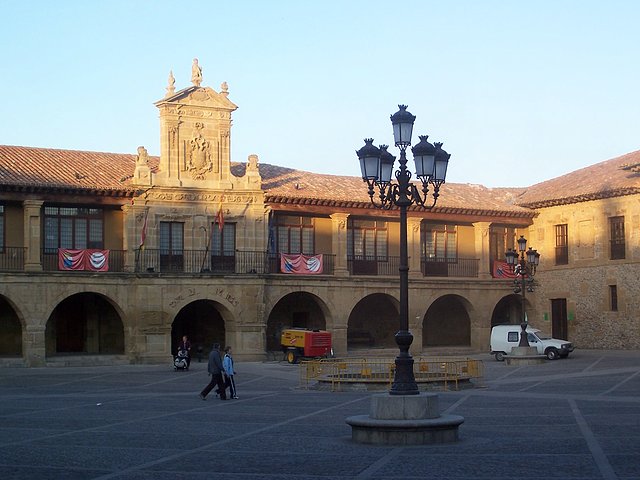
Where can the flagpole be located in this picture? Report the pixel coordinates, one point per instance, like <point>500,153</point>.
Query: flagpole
<point>206,250</point>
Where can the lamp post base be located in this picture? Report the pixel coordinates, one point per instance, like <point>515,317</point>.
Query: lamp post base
<point>404,420</point>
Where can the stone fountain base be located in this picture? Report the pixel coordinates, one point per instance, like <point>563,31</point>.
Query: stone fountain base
<point>404,420</point>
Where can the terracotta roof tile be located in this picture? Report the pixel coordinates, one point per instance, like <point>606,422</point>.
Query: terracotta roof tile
<point>615,177</point>
<point>55,168</point>
<point>287,183</point>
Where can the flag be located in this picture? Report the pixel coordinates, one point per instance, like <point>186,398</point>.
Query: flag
<point>301,264</point>
<point>220,218</point>
<point>143,234</point>
<point>502,270</point>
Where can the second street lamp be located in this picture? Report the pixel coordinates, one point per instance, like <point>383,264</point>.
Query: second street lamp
<point>376,165</point>
<point>524,270</point>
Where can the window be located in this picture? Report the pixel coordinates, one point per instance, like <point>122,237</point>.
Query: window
<point>513,336</point>
<point>171,246</point>
<point>223,247</point>
<point>616,236</point>
<point>440,242</point>
<point>367,239</point>
<point>562,245</point>
<point>73,227</point>
<point>295,235</point>
<point>613,298</point>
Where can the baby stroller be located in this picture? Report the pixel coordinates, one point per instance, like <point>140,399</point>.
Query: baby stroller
<point>181,361</point>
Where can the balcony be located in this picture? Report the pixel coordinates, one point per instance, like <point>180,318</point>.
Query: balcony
<point>12,259</point>
<point>449,267</point>
<point>199,262</point>
<point>372,265</point>
<point>150,260</point>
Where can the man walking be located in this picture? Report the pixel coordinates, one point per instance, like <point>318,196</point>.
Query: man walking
<point>215,370</point>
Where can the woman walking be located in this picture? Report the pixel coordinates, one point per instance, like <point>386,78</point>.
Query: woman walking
<point>227,364</point>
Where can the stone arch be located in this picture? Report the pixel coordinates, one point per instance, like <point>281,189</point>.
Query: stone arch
<point>447,322</point>
<point>373,322</point>
<point>85,323</point>
<point>295,310</point>
<point>10,329</point>
<point>204,322</point>
<point>508,310</point>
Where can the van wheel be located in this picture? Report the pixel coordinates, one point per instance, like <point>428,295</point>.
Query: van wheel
<point>291,357</point>
<point>552,354</point>
<point>500,356</point>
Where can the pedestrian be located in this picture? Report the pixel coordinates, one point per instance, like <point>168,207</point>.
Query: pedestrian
<point>185,346</point>
<point>215,369</point>
<point>229,372</point>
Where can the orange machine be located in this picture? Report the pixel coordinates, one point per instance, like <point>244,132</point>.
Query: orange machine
<point>298,343</point>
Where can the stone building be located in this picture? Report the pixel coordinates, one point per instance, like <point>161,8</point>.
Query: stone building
<point>109,258</point>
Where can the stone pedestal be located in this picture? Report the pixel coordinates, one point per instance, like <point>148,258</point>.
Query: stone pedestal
<point>404,420</point>
<point>524,356</point>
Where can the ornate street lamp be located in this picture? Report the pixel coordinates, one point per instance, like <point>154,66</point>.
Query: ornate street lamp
<point>524,269</point>
<point>376,165</point>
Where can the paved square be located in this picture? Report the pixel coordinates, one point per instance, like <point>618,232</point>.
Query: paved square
<point>577,418</point>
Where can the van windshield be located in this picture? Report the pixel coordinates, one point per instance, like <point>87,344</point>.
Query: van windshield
<point>543,336</point>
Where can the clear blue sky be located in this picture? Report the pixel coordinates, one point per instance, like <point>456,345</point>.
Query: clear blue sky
<point>518,91</point>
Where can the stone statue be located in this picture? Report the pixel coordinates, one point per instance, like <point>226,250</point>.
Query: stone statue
<point>224,88</point>
<point>196,73</point>
<point>143,156</point>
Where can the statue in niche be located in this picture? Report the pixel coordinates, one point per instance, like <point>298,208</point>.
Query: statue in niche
<point>199,155</point>
<point>196,73</point>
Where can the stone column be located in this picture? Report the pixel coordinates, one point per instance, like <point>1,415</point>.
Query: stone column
<point>33,341</point>
<point>413,246</point>
<point>339,243</point>
<point>32,235</point>
<point>481,234</point>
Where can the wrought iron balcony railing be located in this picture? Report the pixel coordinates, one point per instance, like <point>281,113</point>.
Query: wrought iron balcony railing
<point>450,267</point>
<point>12,259</point>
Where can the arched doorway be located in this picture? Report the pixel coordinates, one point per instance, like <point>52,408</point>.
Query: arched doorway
<point>508,310</point>
<point>10,331</point>
<point>203,323</point>
<point>447,323</point>
<point>295,310</point>
<point>373,322</point>
<point>85,323</point>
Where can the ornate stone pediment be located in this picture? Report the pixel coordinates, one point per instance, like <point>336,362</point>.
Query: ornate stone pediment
<point>200,97</point>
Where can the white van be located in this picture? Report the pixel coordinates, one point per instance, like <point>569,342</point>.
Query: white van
<point>505,337</point>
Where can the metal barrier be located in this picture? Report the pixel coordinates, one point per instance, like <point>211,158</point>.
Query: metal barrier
<point>369,372</point>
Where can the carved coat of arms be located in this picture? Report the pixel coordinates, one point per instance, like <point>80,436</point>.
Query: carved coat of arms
<point>199,155</point>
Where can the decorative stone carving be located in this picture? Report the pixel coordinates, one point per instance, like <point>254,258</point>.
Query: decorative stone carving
<point>199,155</point>
<point>196,73</point>
<point>171,87</point>
<point>143,157</point>
<point>142,172</point>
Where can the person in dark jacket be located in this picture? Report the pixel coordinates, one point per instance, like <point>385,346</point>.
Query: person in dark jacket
<point>215,370</point>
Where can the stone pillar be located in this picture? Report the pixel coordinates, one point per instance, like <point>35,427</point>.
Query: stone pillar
<point>339,243</point>
<point>481,233</point>
<point>32,235</point>
<point>128,231</point>
<point>33,341</point>
<point>413,246</point>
